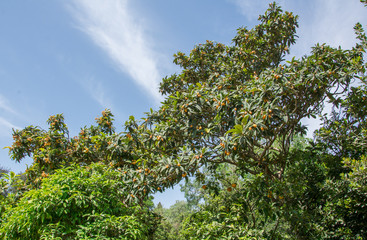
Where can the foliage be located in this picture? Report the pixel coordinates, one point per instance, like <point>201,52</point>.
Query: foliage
<point>346,204</point>
<point>77,203</point>
<point>231,126</point>
<point>173,218</point>
<point>11,183</point>
<point>239,105</point>
<point>194,192</point>
<point>11,189</point>
<point>3,170</point>
<point>54,149</point>
<point>233,214</point>
<point>299,191</point>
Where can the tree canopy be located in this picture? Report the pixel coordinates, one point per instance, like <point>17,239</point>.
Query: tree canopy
<point>231,125</point>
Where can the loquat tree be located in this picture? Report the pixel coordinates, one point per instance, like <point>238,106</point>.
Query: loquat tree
<point>230,119</point>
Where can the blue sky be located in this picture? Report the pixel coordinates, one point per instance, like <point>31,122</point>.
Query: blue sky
<point>78,57</point>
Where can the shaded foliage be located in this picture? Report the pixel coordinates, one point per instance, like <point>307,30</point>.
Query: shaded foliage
<point>172,220</point>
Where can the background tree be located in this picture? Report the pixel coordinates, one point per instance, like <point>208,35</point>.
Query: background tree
<point>172,221</point>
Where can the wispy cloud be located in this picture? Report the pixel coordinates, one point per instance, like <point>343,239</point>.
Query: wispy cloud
<point>6,127</point>
<point>96,90</point>
<point>112,27</point>
<point>4,105</point>
<point>7,124</point>
<point>251,8</point>
<point>101,95</point>
<point>330,22</point>
<point>321,21</point>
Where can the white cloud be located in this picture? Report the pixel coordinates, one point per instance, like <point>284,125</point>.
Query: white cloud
<point>330,22</point>
<point>97,91</point>
<point>321,21</point>
<point>7,124</point>
<point>6,106</point>
<point>99,94</point>
<point>112,27</point>
<point>6,127</point>
<point>253,8</point>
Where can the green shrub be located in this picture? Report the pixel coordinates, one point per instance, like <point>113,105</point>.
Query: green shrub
<point>77,203</point>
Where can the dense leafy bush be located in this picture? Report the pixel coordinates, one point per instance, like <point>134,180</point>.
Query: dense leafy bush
<point>77,203</point>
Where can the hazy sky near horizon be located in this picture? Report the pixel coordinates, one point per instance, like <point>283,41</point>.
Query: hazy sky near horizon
<point>78,57</point>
